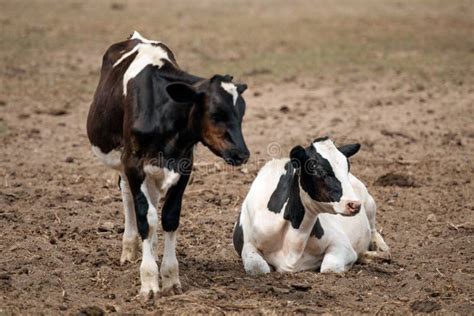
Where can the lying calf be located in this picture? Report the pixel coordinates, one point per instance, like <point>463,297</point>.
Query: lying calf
<point>286,219</point>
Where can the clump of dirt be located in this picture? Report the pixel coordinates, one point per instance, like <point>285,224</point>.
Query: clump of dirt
<point>396,179</point>
<point>425,306</point>
<point>91,311</point>
<point>284,109</point>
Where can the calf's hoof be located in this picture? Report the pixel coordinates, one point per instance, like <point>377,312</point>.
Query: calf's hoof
<point>129,250</point>
<point>378,244</point>
<point>147,293</point>
<point>256,267</point>
<point>149,279</point>
<point>170,278</point>
<point>375,257</point>
<point>337,269</point>
<point>145,297</point>
<point>174,289</point>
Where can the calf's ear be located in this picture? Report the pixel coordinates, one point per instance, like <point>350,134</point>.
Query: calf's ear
<point>183,93</point>
<point>298,156</point>
<point>241,87</point>
<point>349,150</point>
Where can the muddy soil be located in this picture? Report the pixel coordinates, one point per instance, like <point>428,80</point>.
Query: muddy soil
<point>60,209</point>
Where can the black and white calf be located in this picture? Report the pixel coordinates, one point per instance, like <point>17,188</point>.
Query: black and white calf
<point>146,118</point>
<point>286,221</point>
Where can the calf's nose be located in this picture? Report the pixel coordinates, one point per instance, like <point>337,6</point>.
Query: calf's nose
<point>244,156</point>
<point>353,207</point>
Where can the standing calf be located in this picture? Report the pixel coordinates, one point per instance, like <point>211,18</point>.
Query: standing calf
<point>286,219</point>
<point>146,118</point>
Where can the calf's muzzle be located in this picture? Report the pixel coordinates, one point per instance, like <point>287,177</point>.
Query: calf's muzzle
<point>352,208</point>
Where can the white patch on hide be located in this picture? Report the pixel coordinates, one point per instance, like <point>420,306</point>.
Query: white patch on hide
<point>124,56</point>
<point>112,159</point>
<point>148,54</point>
<point>165,177</point>
<point>170,179</point>
<point>138,36</point>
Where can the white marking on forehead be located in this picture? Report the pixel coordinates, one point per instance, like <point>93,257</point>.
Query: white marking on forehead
<point>230,88</point>
<point>338,163</point>
<point>336,159</point>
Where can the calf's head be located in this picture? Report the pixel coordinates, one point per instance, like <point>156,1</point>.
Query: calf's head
<point>219,111</point>
<point>324,176</point>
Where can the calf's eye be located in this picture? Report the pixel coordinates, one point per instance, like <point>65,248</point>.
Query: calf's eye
<point>218,117</point>
<point>311,167</point>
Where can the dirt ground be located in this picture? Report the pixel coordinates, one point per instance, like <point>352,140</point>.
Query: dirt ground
<point>396,76</point>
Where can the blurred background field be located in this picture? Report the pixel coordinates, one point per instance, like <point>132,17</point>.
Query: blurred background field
<point>269,39</point>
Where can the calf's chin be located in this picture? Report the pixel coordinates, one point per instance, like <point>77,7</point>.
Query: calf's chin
<point>236,157</point>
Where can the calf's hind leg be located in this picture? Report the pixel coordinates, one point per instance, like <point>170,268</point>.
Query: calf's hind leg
<point>130,235</point>
<point>376,242</point>
<point>378,250</point>
<point>374,256</point>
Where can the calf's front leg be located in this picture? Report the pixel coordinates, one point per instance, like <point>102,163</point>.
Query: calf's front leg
<point>338,257</point>
<point>377,243</point>
<point>145,195</point>
<point>169,266</point>
<point>376,240</point>
<point>254,264</point>
<point>170,221</point>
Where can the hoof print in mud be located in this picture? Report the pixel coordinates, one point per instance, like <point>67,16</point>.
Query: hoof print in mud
<point>397,180</point>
